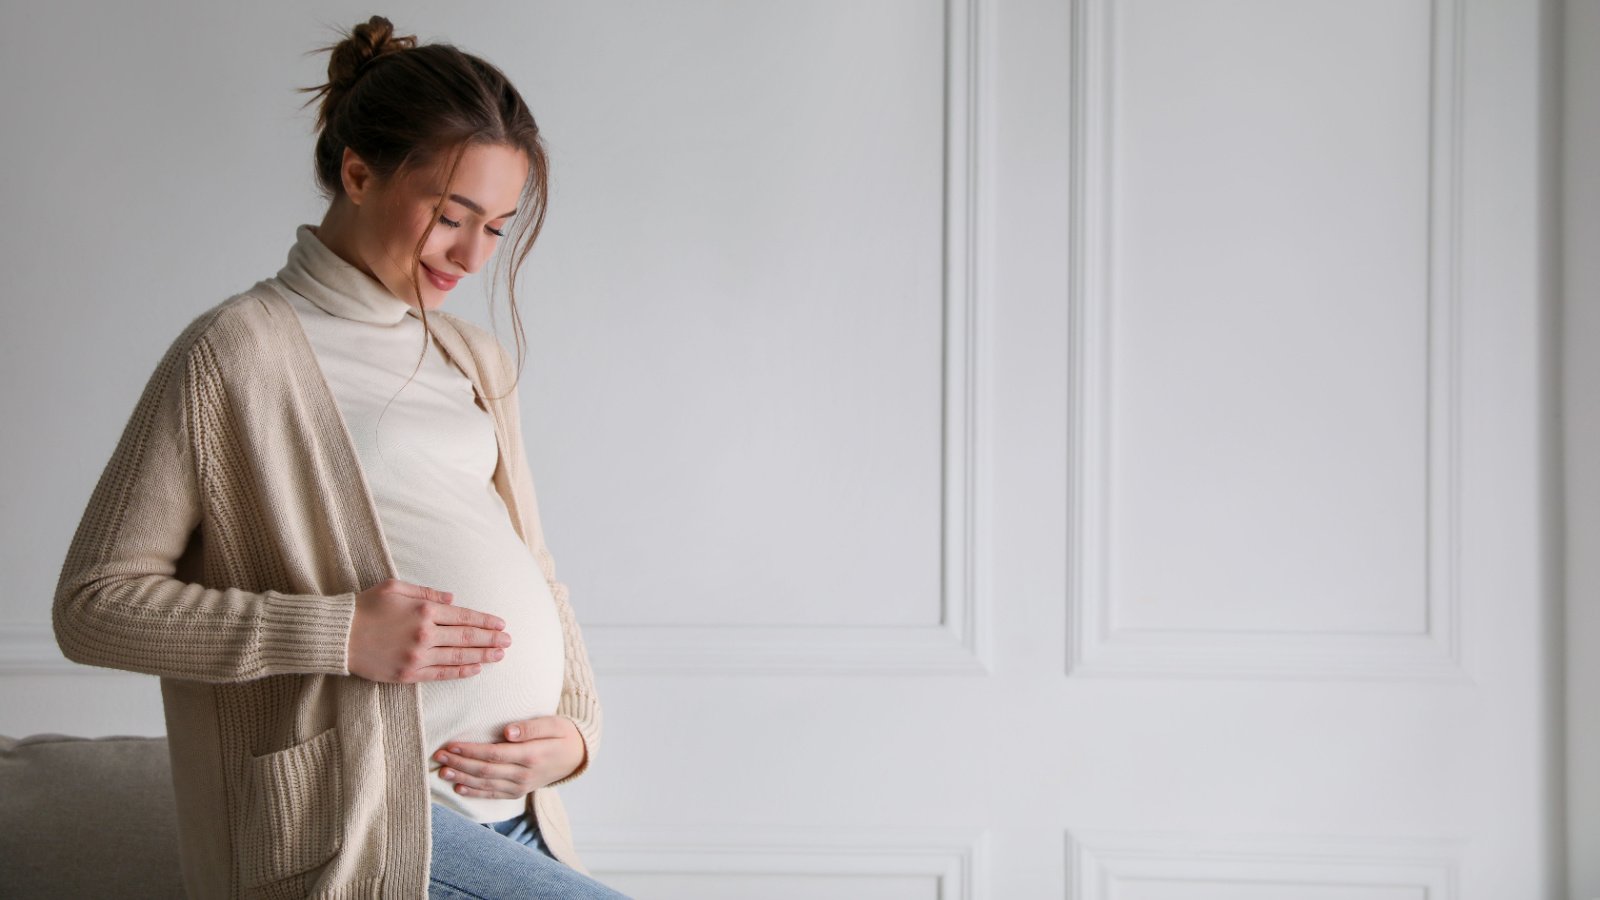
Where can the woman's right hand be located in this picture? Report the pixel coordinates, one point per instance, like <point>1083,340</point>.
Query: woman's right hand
<point>404,632</point>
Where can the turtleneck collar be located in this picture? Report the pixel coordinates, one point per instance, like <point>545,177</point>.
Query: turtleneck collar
<point>336,286</point>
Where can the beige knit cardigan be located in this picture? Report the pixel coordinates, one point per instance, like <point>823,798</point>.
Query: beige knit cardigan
<point>222,550</point>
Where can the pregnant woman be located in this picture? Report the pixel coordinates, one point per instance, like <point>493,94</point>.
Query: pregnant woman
<point>319,529</point>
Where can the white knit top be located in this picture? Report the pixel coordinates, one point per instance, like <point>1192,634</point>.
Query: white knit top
<point>428,465</point>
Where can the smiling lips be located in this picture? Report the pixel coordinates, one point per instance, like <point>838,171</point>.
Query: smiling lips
<point>442,282</point>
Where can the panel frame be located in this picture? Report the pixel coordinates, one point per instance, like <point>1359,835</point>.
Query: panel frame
<point>1099,863</point>
<point>1096,645</point>
<point>957,858</point>
<point>960,643</point>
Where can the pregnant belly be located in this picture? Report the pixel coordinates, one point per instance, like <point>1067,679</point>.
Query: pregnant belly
<point>527,681</point>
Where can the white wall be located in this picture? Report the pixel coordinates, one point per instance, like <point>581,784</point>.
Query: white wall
<point>155,164</point>
<point>998,448</point>
<point>1581,387</point>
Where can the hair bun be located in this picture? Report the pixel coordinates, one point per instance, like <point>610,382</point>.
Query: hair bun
<point>369,41</point>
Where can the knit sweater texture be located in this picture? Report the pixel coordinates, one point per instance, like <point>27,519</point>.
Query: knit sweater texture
<point>221,550</point>
<point>428,452</point>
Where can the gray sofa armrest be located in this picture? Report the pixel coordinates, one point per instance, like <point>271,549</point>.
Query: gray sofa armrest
<point>87,817</point>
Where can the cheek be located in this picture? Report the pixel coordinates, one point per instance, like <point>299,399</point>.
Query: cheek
<point>439,241</point>
<point>399,238</point>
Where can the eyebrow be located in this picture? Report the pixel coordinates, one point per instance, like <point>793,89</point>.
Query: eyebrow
<point>475,207</point>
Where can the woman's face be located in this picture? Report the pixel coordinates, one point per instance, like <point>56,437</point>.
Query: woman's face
<point>391,218</point>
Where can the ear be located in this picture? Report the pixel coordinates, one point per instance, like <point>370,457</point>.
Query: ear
<point>356,176</point>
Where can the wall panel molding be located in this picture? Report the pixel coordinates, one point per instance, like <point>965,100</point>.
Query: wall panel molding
<point>1096,645</point>
<point>957,861</point>
<point>959,643</point>
<point>1103,865</point>
<point>29,648</point>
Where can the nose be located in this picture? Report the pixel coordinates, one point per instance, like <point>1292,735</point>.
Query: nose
<point>471,251</point>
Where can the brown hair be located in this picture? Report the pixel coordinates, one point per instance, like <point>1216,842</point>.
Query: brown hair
<point>403,106</point>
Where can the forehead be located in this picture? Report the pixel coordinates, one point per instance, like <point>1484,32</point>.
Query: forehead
<point>488,174</point>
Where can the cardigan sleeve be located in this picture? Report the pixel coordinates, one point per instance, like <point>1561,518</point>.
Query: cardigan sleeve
<point>579,700</point>
<point>117,603</point>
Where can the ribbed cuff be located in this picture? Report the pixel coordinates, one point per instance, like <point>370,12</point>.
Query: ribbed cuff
<point>583,712</point>
<point>307,633</point>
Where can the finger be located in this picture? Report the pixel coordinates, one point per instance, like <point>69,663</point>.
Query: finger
<point>489,753</point>
<point>461,615</point>
<point>470,636</point>
<point>477,770</point>
<point>465,791</point>
<point>407,589</point>
<point>479,782</point>
<point>532,729</point>
<point>462,656</point>
<point>445,673</point>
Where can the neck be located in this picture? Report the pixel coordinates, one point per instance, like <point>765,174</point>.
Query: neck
<point>337,233</point>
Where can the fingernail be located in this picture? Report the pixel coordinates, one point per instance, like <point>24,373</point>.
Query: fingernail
<point>496,654</point>
<point>456,750</point>
<point>514,731</point>
<point>443,756</point>
<point>446,774</point>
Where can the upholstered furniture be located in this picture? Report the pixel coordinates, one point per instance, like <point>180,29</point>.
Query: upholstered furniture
<point>87,817</point>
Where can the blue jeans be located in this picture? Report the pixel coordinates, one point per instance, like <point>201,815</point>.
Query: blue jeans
<point>494,860</point>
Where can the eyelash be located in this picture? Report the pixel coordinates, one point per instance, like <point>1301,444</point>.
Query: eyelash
<point>458,225</point>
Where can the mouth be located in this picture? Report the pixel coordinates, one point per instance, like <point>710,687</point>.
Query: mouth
<point>441,281</point>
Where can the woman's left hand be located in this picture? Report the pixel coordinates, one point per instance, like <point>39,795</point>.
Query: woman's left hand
<point>535,752</point>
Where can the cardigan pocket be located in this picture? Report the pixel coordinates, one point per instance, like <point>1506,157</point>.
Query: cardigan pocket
<point>294,820</point>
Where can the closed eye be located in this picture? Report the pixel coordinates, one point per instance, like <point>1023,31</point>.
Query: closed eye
<point>494,231</point>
